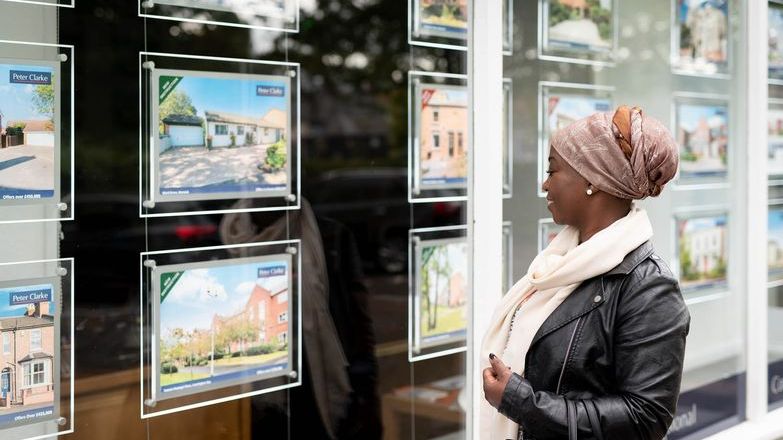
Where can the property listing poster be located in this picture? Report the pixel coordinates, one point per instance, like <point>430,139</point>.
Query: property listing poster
<point>561,110</point>
<point>703,137</point>
<point>443,145</point>
<point>775,140</point>
<point>223,323</point>
<point>702,251</point>
<point>28,355</point>
<point>775,49</point>
<point>580,26</point>
<point>220,135</point>
<point>251,8</point>
<point>29,131</point>
<point>441,18</point>
<point>775,241</point>
<point>441,292</point>
<point>701,36</point>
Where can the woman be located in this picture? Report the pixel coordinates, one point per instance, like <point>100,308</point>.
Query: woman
<point>589,344</point>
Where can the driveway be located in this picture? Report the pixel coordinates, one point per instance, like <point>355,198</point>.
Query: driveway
<point>193,167</point>
<point>27,167</point>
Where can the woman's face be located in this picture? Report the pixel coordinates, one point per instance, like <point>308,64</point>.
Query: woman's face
<point>565,191</point>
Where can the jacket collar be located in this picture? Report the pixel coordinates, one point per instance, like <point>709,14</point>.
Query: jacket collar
<point>590,294</point>
<point>633,259</point>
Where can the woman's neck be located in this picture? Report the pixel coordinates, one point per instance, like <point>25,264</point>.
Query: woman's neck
<point>598,222</point>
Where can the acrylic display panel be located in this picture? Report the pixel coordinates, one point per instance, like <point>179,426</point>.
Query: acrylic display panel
<point>547,231</point>
<point>282,15</point>
<point>508,257</point>
<point>702,133</point>
<point>775,141</point>
<point>220,329</point>
<point>560,104</point>
<point>775,352</point>
<point>508,27</point>
<point>438,137</point>
<point>700,37</point>
<point>702,254</point>
<point>508,137</point>
<point>218,136</point>
<point>62,3</point>
<point>36,132</point>
<point>36,342</point>
<point>775,241</point>
<point>439,292</point>
<point>438,23</point>
<point>775,49</point>
<point>580,32</point>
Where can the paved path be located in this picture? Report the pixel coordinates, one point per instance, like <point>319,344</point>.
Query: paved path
<point>27,167</point>
<point>189,167</point>
<point>581,31</point>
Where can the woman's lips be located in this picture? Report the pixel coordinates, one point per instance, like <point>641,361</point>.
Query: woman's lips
<point>549,202</point>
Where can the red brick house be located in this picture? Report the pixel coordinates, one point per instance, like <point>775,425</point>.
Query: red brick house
<point>26,358</point>
<point>267,312</point>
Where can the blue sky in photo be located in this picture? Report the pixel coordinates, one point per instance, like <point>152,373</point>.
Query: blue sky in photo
<point>696,224</point>
<point>7,310</point>
<point>690,114</point>
<point>686,5</point>
<point>775,221</point>
<point>200,293</point>
<point>231,95</point>
<point>577,107</point>
<point>16,99</point>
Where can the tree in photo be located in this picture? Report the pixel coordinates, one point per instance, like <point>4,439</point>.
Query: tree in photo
<point>177,103</point>
<point>43,100</point>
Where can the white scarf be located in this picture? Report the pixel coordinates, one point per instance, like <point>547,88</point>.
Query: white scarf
<point>552,276</point>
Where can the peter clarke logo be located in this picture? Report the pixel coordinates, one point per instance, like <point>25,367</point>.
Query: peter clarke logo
<point>27,77</point>
<point>273,271</point>
<point>262,90</point>
<point>30,297</point>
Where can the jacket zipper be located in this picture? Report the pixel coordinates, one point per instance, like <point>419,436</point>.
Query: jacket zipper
<point>568,352</point>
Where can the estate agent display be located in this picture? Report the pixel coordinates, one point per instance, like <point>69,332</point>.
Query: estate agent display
<point>220,135</point>
<point>222,323</point>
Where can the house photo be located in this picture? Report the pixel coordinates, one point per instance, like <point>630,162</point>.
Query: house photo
<point>443,136</point>
<point>222,135</point>
<point>702,251</point>
<point>229,323</point>
<point>703,136</point>
<point>27,352</point>
<point>442,294</point>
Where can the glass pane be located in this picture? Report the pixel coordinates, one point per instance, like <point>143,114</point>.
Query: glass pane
<point>680,61</point>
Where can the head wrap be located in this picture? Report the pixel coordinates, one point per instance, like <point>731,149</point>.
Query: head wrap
<point>625,154</point>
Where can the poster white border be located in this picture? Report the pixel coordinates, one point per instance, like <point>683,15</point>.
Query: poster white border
<point>712,289</point>
<point>674,48</point>
<point>413,21</point>
<point>508,121</point>
<point>295,29</point>
<point>544,52</point>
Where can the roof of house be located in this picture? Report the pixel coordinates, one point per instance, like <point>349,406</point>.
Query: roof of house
<point>183,120</point>
<point>35,356</point>
<point>21,322</point>
<point>34,125</point>
<point>274,119</point>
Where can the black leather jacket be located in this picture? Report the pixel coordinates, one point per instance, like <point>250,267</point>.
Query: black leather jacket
<point>615,348</point>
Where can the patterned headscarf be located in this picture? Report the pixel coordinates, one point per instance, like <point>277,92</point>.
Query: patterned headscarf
<point>625,154</point>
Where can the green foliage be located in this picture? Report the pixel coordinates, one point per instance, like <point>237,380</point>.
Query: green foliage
<point>43,99</point>
<point>233,140</point>
<point>261,349</point>
<point>15,129</point>
<point>276,155</point>
<point>686,271</point>
<point>168,368</point>
<point>177,103</point>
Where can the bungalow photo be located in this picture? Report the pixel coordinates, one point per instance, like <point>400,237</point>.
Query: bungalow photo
<point>221,135</point>
<point>443,136</point>
<point>703,35</point>
<point>223,325</point>
<point>775,241</point>
<point>28,354</point>
<point>562,109</point>
<point>28,119</point>
<point>442,18</point>
<point>584,25</point>
<point>701,247</point>
<point>703,137</point>
<point>441,291</point>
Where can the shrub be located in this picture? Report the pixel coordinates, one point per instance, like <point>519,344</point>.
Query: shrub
<point>168,368</point>
<point>276,155</point>
<point>261,349</point>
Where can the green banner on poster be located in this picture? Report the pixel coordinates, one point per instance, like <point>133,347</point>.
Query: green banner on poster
<point>167,282</point>
<point>166,85</point>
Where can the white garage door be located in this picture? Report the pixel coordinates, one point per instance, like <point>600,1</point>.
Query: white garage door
<point>41,139</point>
<point>186,136</point>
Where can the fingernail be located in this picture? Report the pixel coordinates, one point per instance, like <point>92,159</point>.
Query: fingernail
<point>492,355</point>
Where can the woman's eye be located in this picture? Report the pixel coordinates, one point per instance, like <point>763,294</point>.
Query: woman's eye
<point>549,172</point>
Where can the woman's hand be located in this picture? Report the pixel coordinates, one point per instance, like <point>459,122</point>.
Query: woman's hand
<point>495,380</point>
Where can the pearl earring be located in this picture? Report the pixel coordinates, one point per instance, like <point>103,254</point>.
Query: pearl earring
<point>589,191</point>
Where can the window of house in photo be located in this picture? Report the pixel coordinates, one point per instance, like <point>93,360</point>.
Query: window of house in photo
<point>6,343</point>
<point>283,297</point>
<point>221,129</point>
<point>283,317</point>
<point>283,337</point>
<point>435,140</point>
<point>35,340</point>
<point>5,380</point>
<point>240,130</point>
<point>435,116</point>
<point>35,373</point>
